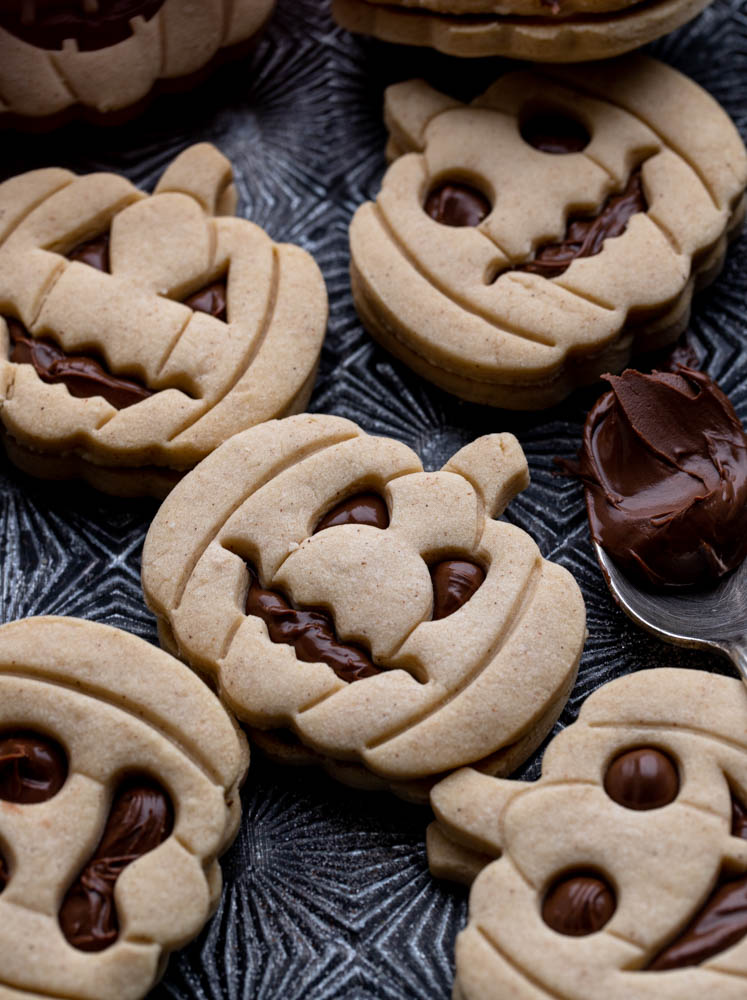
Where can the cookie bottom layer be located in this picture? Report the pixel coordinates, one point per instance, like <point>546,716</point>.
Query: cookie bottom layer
<point>575,39</point>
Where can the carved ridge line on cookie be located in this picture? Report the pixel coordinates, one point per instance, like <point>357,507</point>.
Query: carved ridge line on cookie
<point>520,972</point>
<point>713,965</point>
<point>60,74</point>
<point>514,617</point>
<point>664,727</point>
<point>436,284</point>
<point>668,236</point>
<point>32,206</point>
<point>172,347</point>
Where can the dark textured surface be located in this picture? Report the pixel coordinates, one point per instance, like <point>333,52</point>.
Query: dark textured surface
<point>327,892</point>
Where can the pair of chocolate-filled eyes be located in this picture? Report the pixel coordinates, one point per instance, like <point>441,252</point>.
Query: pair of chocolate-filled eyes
<point>455,203</point>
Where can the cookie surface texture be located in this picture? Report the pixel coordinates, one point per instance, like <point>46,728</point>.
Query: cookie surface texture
<point>139,332</point>
<point>119,775</point>
<point>332,587</point>
<point>622,872</point>
<point>524,244</point>
<point>97,59</point>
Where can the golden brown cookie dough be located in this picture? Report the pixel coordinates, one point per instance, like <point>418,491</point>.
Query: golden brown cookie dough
<point>137,333</point>
<point>528,242</point>
<point>331,587</point>
<point>558,31</point>
<point>622,872</point>
<point>102,58</point>
<point>119,778</point>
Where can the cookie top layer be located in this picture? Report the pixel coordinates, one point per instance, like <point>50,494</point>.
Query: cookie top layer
<point>119,775</point>
<point>625,861</point>
<point>409,632</point>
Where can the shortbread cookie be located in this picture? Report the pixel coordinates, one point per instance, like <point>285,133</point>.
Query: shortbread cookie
<point>525,244</point>
<point>119,776</point>
<point>137,333</point>
<point>623,870</point>
<point>331,587</point>
<point>100,57</point>
<point>539,30</point>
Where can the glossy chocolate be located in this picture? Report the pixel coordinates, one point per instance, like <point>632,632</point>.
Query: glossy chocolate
<point>211,299</point>
<point>664,462</point>
<point>4,873</point>
<point>454,582</point>
<point>141,818</point>
<point>33,768</point>
<point>585,237</point>
<point>311,633</point>
<point>93,252</point>
<point>457,204</point>
<point>642,779</point>
<point>83,376</point>
<point>738,819</point>
<point>578,905</point>
<point>552,132</point>
<point>48,23</point>
<point>363,508</point>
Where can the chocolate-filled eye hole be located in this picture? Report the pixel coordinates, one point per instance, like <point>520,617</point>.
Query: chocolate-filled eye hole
<point>4,873</point>
<point>33,768</point>
<point>363,508</point>
<point>93,252</point>
<point>644,778</point>
<point>211,299</point>
<point>454,203</point>
<point>454,582</point>
<point>579,904</point>
<point>553,132</point>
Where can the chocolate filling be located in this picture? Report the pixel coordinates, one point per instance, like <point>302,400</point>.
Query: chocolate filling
<point>93,252</point>
<point>578,904</point>
<point>642,779</point>
<point>33,768</point>
<point>4,874</point>
<point>457,204</point>
<point>551,132</point>
<point>454,582</point>
<point>48,23</point>
<point>141,817</point>
<point>363,508</point>
<point>211,300</point>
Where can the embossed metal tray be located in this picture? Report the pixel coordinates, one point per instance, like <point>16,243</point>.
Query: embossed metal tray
<point>327,892</point>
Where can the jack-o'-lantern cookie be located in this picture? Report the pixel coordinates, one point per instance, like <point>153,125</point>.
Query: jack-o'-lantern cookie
<point>332,587</point>
<point>622,872</point>
<point>138,333</point>
<point>119,775</point>
<point>524,244</point>
<point>539,30</point>
<point>101,58</point>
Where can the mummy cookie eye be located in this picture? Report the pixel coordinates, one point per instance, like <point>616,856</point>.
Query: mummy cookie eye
<point>554,132</point>
<point>579,904</point>
<point>454,203</point>
<point>643,778</point>
<point>363,508</point>
<point>141,817</point>
<point>455,581</point>
<point>33,768</point>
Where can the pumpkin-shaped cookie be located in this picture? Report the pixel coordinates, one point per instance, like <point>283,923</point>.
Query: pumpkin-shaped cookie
<point>99,58</point>
<point>524,244</point>
<point>623,870</point>
<point>138,333</point>
<point>119,774</point>
<point>332,587</point>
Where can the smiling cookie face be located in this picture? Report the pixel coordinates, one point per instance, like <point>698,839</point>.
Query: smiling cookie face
<point>333,587</point>
<point>528,242</point>
<point>143,331</point>
<point>119,776</point>
<point>623,871</point>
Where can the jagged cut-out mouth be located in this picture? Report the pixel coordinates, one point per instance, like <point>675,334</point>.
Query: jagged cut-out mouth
<point>47,24</point>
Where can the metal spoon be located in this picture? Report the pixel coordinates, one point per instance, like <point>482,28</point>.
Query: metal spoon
<point>713,619</point>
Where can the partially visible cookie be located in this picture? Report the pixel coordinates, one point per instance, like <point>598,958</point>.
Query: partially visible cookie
<point>559,31</point>
<point>524,244</point>
<point>137,333</point>
<point>101,58</point>
<point>330,586</point>
<point>119,789</point>
<point>622,872</point>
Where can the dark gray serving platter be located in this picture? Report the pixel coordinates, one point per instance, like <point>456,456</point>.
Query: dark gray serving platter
<point>327,892</point>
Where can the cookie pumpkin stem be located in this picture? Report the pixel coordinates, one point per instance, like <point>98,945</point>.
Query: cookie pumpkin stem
<point>205,174</point>
<point>408,108</point>
<point>496,467</point>
<point>468,807</point>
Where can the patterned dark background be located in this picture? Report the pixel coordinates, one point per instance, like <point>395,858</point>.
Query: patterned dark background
<point>327,890</point>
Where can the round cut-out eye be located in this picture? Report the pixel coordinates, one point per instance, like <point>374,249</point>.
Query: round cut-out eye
<point>553,132</point>
<point>643,778</point>
<point>456,204</point>
<point>454,582</point>
<point>363,508</point>
<point>579,904</point>
<point>33,768</point>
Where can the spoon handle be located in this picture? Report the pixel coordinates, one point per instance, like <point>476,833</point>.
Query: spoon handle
<point>737,652</point>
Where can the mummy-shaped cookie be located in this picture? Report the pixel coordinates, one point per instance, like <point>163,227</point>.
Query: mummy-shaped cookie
<point>99,57</point>
<point>524,244</point>
<point>623,870</point>
<point>333,588</point>
<point>137,333</point>
<point>119,774</point>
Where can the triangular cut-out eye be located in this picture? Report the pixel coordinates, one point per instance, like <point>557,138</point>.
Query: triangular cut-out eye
<point>211,299</point>
<point>455,581</point>
<point>33,768</point>
<point>363,508</point>
<point>93,252</point>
